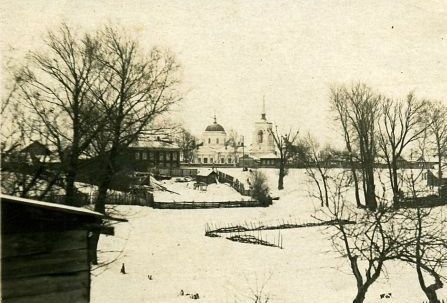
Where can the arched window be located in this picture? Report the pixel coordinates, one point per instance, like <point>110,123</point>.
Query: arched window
<point>209,140</point>
<point>217,141</point>
<point>270,139</point>
<point>260,136</point>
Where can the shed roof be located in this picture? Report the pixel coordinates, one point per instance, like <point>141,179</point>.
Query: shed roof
<point>51,206</point>
<point>205,172</point>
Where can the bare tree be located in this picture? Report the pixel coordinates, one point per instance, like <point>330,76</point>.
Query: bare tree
<point>317,163</point>
<point>284,143</point>
<point>56,89</point>
<point>234,142</point>
<point>424,247</point>
<point>358,109</point>
<point>340,105</point>
<point>369,243</point>
<point>437,129</point>
<point>400,125</point>
<point>187,143</point>
<point>134,89</point>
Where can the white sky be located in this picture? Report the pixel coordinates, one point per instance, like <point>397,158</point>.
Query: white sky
<point>234,52</point>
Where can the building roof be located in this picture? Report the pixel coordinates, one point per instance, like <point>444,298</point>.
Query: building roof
<point>37,147</point>
<point>155,144</point>
<point>204,172</point>
<point>50,206</point>
<point>215,127</point>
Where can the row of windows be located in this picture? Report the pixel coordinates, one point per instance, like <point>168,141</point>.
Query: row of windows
<point>151,156</point>
<point>261,137</point>
<point>209,140</point>
<point>222,160</point>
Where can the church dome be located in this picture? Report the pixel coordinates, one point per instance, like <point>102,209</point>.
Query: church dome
<point>215,127</point>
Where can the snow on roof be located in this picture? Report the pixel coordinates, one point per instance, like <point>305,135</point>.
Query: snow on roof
<point>50,206</point>
<point>155,144</point>
<point>268,156</point>
<point>204,172</point>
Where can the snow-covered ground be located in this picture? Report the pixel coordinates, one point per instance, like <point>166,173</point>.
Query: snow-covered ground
<point>185,192</point>
<point>170,245</point>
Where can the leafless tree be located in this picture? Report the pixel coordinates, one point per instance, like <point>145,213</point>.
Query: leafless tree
<point>134,88</point>
<point>284,143</point>
<point>56,88</point>
<point>187,143</point>
<point>339,104</point>
<point>437,130</point>
<point>424,246</point>
<point>369,243</point>
<point>400,125</point>
<point>358,109</point>
<point>317,163</point>
<point>234,142</point>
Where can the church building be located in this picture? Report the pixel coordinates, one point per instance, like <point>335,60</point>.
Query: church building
<point>263,149</point>
<point>215,148</point>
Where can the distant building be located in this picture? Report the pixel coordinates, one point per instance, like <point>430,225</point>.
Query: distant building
<point>263,147</point>
<point>144,155</point>
<point>214,148</point>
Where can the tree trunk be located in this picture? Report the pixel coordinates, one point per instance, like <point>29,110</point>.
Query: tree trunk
<point>70,189</point>
<point>361,294</point>
<point>281,177</point>
<point>356,186</point>
<point>395,182</point>
<point>371,202</point>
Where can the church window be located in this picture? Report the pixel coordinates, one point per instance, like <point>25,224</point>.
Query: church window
<point>209,140</point>
<point>270,139</point>
<point>222,160</point>
<point>144,155</point>
<point>161,158</point>
<point>260,136</point>
<point>205,160</point>
<point>229,160</point>
<point>217,141</point>
<point>137,156</point>
<point>151,156</point>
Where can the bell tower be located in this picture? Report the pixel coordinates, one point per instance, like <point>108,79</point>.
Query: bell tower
<point>263,142</point>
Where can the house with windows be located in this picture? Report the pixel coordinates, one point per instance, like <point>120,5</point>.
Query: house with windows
<point>146,154</point>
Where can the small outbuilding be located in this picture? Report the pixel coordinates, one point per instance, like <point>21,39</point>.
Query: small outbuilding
<point>45,251</point>
<point>206,176</point>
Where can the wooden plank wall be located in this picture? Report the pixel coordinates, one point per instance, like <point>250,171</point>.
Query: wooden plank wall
<point>45,267</point>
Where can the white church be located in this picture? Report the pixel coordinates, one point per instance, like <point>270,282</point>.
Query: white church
<point>215,147</point>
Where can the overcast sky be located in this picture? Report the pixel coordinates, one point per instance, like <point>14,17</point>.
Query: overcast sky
<point>235,52</point>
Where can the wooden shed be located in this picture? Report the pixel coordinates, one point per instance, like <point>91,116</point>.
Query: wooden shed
<point>206,176</point>
<point>45,251</point>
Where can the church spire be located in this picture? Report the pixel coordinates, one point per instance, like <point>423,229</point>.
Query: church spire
<point>263,109</point>
<point>215,120</point>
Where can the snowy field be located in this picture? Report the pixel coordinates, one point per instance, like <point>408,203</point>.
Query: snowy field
<point>170,246</point>
<point>213,193</point>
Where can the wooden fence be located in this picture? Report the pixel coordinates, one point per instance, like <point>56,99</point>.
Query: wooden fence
<point>115,198</point>
<point>199,205</point>
<point>430,201</point>
<point>176,172</point>
<point>235,183</point>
